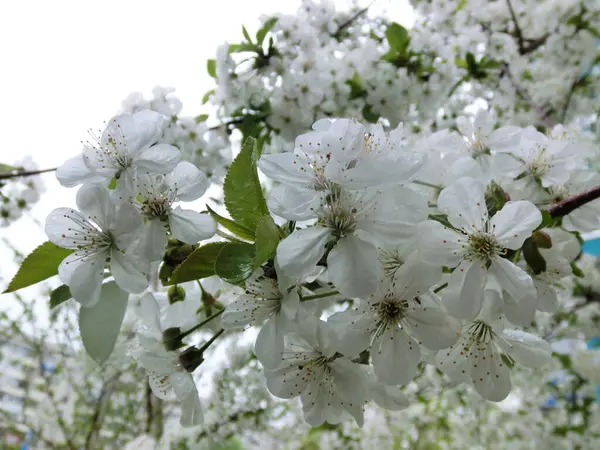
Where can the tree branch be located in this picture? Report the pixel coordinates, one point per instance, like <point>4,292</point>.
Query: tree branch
<point>519,33</point>
<point>569,205</point>
<point>349,22</point>
<point>24,173</point>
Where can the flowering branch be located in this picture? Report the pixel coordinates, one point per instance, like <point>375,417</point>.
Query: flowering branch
<point>569,205</point>
<point>24,173</point>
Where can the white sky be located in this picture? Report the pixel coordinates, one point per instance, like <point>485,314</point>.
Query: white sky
<point>66,65</point>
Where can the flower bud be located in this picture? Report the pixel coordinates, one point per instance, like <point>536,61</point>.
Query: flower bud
<point>495,198</point>
<point>191,358</point>
<point>172,339</point>
<point>176,294</point>
<point>541,239</point>
<point>533,257</point>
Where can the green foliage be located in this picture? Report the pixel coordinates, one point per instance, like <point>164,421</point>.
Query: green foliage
<point>370,115</point>
<point>357,88</point>
<point>236,228</point>
<point>199,264</point>
<point>477,69</point>
<point>262,33</point>
<point>59,295</point>
<point>243,194</point>
<point>100,325</point>
<point>267,239</point>
<point>39,265</point>
<point>235,262</point>
<point>207,95</point>
<point>548,221</point>
<point>211,67</point>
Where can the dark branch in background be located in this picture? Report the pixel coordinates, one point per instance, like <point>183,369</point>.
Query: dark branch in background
<point>525,45</point>
<point>518,31</point>
<point>349,22</point>
<point>526,97</point>
<point>569,205</point>
<point>24,173</point>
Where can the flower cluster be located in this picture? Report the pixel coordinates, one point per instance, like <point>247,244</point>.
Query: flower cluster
<point>422,233</point>
<point>18,195</point>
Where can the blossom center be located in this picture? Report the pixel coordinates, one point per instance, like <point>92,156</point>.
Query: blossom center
<point>156,207</point>
<point>484,246</point>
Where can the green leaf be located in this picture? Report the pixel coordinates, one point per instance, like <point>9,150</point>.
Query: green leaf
<point>200,264</point>
<point>236,228</point>
<point>267,238</point>
<point>206,96</point>
<point>397,37</point>
<point>211,67</point>
<point>369,115</point>
<point>357,88</point>
<point>262,33</point>
<point>235,262</point>
<point>40,264</point>
<point>243,195</point>
<point>100,325</point>
<point>59,295</point>
<point>548,221</point>
<point>472,64</point>
<point>461,4</point>
<point>200,118</point>
<point>246,35</point>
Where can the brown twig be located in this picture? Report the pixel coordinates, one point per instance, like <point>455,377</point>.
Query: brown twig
<point>24,173</point>
<point>569,205</point>
<point>349,22</point>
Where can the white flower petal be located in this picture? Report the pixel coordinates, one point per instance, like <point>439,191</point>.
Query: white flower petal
<point>353,267</point>
<point>293,204</point>
<point>439,245</point>
<point>94,202</point>
<point>150,242</point>
<point>388,397</point>
<point>188,181</point>
<point>464,203</point>
<point>395,357</point>
<point>269,343</point>
<point>527,349</point>
<point>433,327</point>
<point>464,294</point>
<point>513,279</point>
<point>126,272</point>
<point>86,280</point>
<point>515,222</point>
<point>301,250</point>
<point>185,391</point>
<point>490,375</point>
<point>547,296</point>
<point>159,159</point>
<point>191,226</point>
<point>74,171</point>
<point>289,168</point>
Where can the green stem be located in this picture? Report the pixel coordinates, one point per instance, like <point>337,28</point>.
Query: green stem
<point>316,296</point>
<point>204,322</point>
<point>212,339</point>
<point>439,288</point>
<point>431,185</point>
